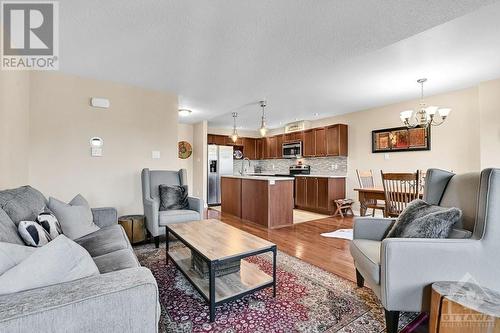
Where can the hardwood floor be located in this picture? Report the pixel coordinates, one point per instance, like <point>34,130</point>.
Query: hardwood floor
<point>305,242</point>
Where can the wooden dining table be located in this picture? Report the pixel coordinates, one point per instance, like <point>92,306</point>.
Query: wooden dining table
<point>373,193</point>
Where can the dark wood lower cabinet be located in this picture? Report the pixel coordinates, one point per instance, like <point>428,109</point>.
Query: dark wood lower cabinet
<point>318,193</point>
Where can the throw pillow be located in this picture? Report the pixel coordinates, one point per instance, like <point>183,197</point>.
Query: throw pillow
<point>422,220</point>
<point>76,218</point>
<point>50,223</point>
<point>33,234</point>
<point>8,230</point>
<point>173,197</point>
<point>22,203</point>
<point>61,260</point>
<point>13,254</point>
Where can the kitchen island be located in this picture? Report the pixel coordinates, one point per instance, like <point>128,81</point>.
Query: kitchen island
<point>265,200</point>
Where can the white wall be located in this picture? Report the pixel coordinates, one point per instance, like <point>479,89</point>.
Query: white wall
<point>200,172</point>
<point>62,123</point>
<point>489,104</point>
<point>14,128</point>
<point>185,133</point>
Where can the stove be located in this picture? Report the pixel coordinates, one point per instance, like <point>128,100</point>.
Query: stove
<point>300,169</point>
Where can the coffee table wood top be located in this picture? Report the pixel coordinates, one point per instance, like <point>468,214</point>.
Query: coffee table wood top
<point>217,240</point>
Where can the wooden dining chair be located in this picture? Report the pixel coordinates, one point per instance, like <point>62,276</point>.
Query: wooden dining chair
<point>365,179</point>
<point>400,189</point>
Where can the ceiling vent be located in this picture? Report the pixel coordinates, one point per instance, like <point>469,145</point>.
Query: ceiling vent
<point>296,126</point>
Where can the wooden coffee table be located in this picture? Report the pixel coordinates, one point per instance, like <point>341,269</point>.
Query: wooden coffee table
<point>218,243</point>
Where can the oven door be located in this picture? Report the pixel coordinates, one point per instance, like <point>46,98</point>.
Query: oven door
<point>292,150</point>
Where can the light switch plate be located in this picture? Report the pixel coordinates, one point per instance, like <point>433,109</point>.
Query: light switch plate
<point>96,152</point>
<point>155,154</point>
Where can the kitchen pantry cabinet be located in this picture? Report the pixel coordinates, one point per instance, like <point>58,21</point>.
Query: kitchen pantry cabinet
<point>317,194</point>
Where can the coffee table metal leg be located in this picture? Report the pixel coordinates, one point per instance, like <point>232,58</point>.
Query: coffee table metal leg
<point>211,286</point>
<point>166,254</point>
<point>274,271</point>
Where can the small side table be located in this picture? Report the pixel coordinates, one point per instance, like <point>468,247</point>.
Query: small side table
<point>344,206</point>
<point>135,227</point>
<point>463,307</point>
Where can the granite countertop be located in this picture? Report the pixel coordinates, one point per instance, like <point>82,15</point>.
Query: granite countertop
<point>268,178</point>
<point>321,176</point>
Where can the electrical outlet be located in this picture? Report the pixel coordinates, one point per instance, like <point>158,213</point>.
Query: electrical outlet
<point>387,156</point>
<point>155,154</point>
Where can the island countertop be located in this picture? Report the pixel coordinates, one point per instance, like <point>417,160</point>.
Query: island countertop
<point>268,178</point>
<point>321,176</point>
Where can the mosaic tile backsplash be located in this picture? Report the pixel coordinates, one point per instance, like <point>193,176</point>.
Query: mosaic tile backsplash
<point>334,166</point>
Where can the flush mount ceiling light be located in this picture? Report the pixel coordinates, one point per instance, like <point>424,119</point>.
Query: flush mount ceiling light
<point>234,136</point>
<point>425,115</point>
<point>184,112</point>
<point>263,128</point>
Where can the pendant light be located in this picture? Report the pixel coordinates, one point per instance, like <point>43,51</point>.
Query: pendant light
<point>234,136</point>
<point>263,128</point>
<point>424,116</point>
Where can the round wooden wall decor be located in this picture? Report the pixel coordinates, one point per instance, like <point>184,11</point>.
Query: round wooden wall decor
<point>185,149</point>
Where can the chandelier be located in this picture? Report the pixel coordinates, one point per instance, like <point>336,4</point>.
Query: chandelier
<point>263,128</point>
<point>234,136</point>
<point>425,115</point>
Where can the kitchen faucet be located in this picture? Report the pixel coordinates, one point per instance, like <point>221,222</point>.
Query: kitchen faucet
<point>244,170</point>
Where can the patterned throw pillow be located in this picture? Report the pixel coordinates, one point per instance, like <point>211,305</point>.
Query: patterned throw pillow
<point>173,197</point>
<point>50,223</point>
<point>33,234</point>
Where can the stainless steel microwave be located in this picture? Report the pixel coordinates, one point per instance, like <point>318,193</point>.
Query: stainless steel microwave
<point>292,150</point>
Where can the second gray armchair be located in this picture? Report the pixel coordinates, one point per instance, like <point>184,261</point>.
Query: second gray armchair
<point>156,220</point>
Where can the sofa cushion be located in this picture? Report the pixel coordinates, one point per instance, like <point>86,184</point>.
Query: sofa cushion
<point>105,240</point>
<point>76,217</point>
<point>366,254</point>
<point>116,261</point>
<point>59,261</point>
<point>8,230</point>
<point>13,254</point>
<point>177,215</point>
<point>23,203</point>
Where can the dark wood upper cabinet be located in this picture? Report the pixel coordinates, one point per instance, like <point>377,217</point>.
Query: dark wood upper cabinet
<point>279,145</point>
<point>309,144</point>
<point>272,147</point>
<point>336,140</point>
<point>316,142</point>
<point>320,140</point>
<point>249,149</point>
<point>219,140</point>
<point>259,149</point>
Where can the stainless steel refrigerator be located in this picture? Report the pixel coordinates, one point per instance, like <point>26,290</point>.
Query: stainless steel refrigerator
<point>220,163</point>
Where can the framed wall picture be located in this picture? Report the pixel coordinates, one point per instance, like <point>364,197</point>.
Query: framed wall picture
<point>401,139</point>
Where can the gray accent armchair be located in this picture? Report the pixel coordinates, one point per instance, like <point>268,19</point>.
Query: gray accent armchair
<point>156,220</point>
<point>401,270</point>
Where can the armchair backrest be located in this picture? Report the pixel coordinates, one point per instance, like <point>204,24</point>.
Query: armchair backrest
<point>447,189</point>
<point>152,179</point>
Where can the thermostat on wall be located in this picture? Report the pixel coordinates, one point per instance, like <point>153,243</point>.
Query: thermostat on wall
<point>99,102</point>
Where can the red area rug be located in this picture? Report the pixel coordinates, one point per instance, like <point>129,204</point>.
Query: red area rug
<point>308,300</point>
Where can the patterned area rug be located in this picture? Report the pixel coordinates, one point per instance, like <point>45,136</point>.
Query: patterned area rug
<point>308,300</point>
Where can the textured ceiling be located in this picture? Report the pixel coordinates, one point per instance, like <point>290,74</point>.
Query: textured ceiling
<point>304,57</point>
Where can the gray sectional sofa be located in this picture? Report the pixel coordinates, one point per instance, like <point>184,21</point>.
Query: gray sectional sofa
<point>123,298</point>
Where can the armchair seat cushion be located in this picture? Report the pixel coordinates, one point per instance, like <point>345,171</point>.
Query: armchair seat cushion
<point>177,215</point>
<point>366,254</point>
<point>115,261</point>
<point>104,241</point>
